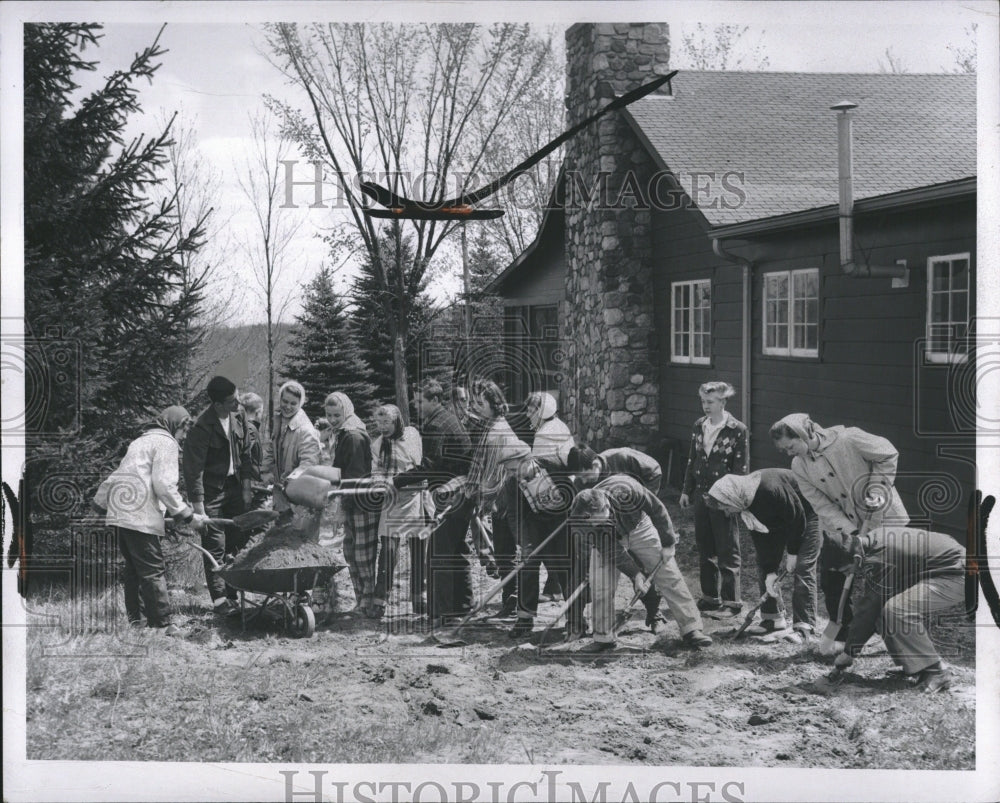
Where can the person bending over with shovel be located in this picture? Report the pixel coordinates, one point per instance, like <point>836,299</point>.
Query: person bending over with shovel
<point>908,574</point>
<point>589,468</point>
<point>778,517</point>
<point>847,476</point>
<point>641,522</point>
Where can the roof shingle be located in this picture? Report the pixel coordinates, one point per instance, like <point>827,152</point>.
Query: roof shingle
<point>777,129</point>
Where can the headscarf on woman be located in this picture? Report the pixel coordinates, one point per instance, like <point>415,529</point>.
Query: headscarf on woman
<point>172,419</point>
<point>738,491</point>
<point>543,407</point>
<point>297,390</point>
<point>351,421</point>
<point>800,424</point>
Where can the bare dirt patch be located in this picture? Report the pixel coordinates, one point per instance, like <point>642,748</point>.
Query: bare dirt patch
<point>359,691</point>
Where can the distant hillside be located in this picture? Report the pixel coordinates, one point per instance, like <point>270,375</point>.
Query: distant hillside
<point>230,342</point>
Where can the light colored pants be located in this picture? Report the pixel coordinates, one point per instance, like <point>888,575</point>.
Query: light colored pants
<point>644,544</point>
<point>904,620</point>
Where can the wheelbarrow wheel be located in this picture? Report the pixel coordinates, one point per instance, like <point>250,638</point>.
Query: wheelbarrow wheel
<point>304,623</point>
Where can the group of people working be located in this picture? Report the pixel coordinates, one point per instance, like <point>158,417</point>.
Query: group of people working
<point>584,516</point>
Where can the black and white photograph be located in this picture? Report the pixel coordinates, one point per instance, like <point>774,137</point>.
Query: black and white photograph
<point>500,401</point>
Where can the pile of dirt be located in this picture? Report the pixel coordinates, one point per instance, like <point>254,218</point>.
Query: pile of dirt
<point>284,547</point>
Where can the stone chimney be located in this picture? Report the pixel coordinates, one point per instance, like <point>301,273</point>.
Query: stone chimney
<point>607,320</point>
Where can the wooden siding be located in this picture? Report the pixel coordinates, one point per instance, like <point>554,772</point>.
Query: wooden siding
<point>870,372</point>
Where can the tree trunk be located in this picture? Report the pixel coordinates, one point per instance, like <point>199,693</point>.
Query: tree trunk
<point>399,373</point>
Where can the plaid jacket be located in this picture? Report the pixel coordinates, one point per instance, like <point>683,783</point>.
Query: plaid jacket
<point>729,456</point>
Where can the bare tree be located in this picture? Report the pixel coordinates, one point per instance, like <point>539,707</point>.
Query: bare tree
<point>261,178</point>
<point>196,184</point>
<point>892,64</point>
<point>540,119</point>
<point>412,106</point>
<point>964,56</point>
<point>721,47</point>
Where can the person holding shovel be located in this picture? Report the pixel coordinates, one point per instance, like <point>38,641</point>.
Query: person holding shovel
<point>641,521</point>
<point>847,475</point>
<point>446,454</point>
<point>718,447</point>
<point>404,512</point>
<point>134,499</point>
<point>352,454</point>
<point>909,574</point>
<point>773,509</point>
<point>217,472</point>
<point>589,468</point>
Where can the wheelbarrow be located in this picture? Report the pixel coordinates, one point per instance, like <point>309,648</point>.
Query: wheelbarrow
<point>287,598</point>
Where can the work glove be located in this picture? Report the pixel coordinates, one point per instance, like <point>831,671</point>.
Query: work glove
<point>667,554</point>
<point>843,661</point>
<point>790,563</point>
<point>684,501</point>
<point>199,522</point>
<point>771,585</point>
<point>640,585</point>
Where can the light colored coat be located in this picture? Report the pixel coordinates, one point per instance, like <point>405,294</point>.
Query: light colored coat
<point>144,485</point>
<point>835,477</point>
<point>404,511</point>
<point>553,440</point>
<point>293,445</point>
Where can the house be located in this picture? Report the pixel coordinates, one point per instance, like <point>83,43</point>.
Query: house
<point>697,235</point>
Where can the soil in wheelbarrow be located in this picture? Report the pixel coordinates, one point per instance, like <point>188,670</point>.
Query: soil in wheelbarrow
<point>284,547</point>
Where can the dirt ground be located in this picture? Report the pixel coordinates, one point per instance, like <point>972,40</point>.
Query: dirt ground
<point>359,691</point>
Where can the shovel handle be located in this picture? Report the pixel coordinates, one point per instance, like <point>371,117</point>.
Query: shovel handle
<point>844,596</point>
<point>510,576</point>
<point>563,609</point>
<point>215,564</point>
<point>620,619</point>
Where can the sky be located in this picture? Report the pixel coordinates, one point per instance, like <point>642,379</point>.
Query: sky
<point>216,72</point>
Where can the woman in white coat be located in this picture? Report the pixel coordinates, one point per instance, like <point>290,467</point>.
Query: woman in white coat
<point>135,497</point>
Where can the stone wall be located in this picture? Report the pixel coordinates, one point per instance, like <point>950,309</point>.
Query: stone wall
<point>607,321</point>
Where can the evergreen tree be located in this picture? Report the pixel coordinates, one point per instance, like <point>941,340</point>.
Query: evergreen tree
<point>104,296</point>
<point>102,261</point>
<point>324,354</point>
<point>374,308</point>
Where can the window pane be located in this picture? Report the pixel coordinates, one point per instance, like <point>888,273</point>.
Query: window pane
<point>939,307</point>
<point>959,302</point>
<point>812,311</point>
<point>781,313</point>
<point>798,337</point>
<point>705,294</point>
<point>939,275</point>
<point>960,274</point>
<point>812,337</point>
<point>706,346</point>
<point>782,333</point>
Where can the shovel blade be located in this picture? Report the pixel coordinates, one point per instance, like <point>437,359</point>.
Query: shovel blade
<point>255,518</point>
<point>450,639</point>
<point>829,636</point>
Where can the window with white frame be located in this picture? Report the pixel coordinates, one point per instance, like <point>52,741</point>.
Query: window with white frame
<point>948,307</point>
<point>691,321</point>
<point>791,313</point>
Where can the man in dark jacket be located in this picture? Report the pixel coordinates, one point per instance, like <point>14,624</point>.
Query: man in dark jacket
<point>447,451</point>
<point>217,472</point>
<point>589,468</point>
<point>908,574</point>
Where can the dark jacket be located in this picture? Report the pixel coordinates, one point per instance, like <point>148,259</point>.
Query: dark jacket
<point>207,451</point>
<point>896,558</point>
<point>634,463</point>
<point>256,449</point>
<point>780,506</point>
<point>629,500</point>
<point>352,453</point>
<point>447,451</point>
<point>728,456</point>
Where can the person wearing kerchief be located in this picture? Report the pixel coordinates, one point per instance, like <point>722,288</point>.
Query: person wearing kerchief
<point>398,448</point>
<point>778,517</point>
<point>294,440</point>
<point>352,454</point>
<point>848,476</point>
<point>134,499</point>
